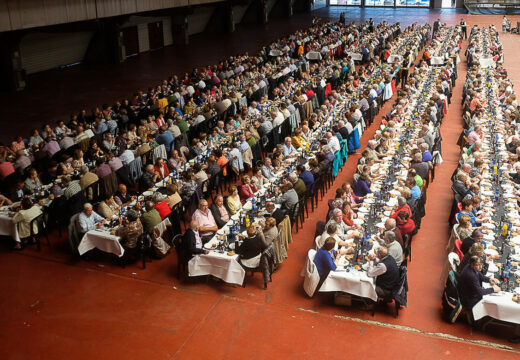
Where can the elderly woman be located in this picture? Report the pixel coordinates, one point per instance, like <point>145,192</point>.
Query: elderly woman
<point>326,259</point>
<point>233,201</point>
<point>298,140</point>
<point>173,197</point>
<point>247,190</point>
<point>405,223</point>
<point>161,205</point>
<point>258,179</point>
<point>270,231</point>
<point>348,214</point>
<point>363,184</point>
<point>465,228</point>
<point>108,207</point>
<point>477,249</point>
<point>161,168</point>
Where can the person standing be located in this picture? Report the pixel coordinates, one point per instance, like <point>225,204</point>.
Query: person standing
<point>463,29</point>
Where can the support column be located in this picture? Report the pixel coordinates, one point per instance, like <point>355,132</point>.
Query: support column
<point>12,74</point>
<point>290,10</point>
<point>180,30</point>
<point>263,15</point>
<point>230,23</point>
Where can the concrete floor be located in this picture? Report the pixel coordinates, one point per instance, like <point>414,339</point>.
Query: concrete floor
<point>54,307</point>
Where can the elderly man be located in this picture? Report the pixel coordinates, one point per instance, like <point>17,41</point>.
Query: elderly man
<point>268,169</point>
<point>333,142</point>
<point>298,185</point>
<point>371,148</point>
<point>421,167</point>
<point>149,178</point>
<point>426,155</point>
<point>89,219</point>
<point>151,217</point>
<point>391,225</point>
<point>126,157</point>
<point>460,185</point>
<point>219,211</point>
<point>384,268</point>
<point>342,228</point>
<point>208,226</point>
<point>288,198</point>
<point>470,283</point>
<point>394,248</point>
<point>122,197</point>
<point>288,148</point>
<point>476,135</point>
<point>193,242</point>
<point>272,211</point>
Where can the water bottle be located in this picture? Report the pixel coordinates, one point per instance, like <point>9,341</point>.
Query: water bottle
<point>253,203</point>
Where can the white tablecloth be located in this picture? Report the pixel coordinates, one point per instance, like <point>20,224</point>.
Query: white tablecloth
<point>355,56</point>
<point>499,307</point>
<point>437,60</point>
<point>8,227</point>
<point>223,266</point>
<point>391,58</point>
<point>102,240</point>
<point>352,282</point>
<point>313,55</point>
<point>275,52</point>
<point>487,63</point>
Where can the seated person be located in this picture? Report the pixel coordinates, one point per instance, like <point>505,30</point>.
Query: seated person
<point>247,190</point>
<point>233,200</point>
<point>161,205</point>
<point>149,178</point>
<point>130,230</point>
<point>150,218</point>
<point>161,168</point>
<point>476,237</point>
<point>108,207</point>
<point>270,231</point>
<point>384,268</point>
<point>287,197</point>
<point>123,197</point>
<point>326,260</point>
<point>251,249</point>
<point>193,242</point>
<point>89,219</point>
<point>27,212</point>
<point>470,283</point>
<point>405,223</point>
<point>173,197</point>
<point>219,211</point>
<point>207,225</point>
<point>272,211</point>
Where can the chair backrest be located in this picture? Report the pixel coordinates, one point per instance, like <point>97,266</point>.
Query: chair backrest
<point>320,228</point>
<point>38,224</point>
<point>454,260</point>
<point>457,250</point>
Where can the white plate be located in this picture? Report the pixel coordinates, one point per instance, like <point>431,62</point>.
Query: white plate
<point>491,252</point>
<point>358,221</point>
<point>489,226</point>
<point>148,193</point>
<point>492,267</point>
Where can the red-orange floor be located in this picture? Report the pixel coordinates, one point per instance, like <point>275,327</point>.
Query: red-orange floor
<point>53,307</point>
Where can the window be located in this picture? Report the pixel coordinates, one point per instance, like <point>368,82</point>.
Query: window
<point>423,3</point>
<point>345,2</point>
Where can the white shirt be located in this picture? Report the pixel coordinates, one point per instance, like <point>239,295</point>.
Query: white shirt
<point>334,144</point>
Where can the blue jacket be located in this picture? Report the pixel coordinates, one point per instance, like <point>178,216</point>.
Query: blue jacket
<point>324,262</point>
<point>307,178</point>
<point>166,139</point>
